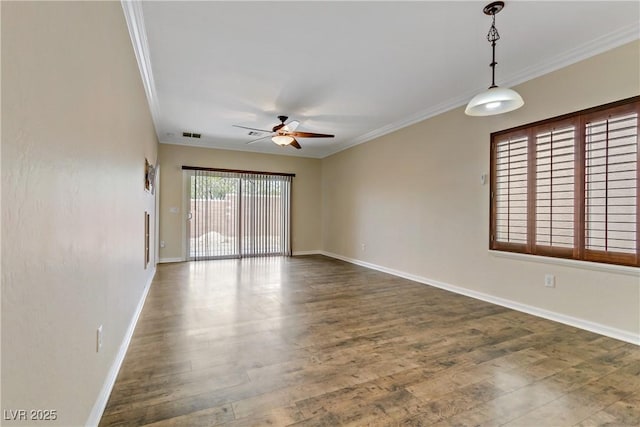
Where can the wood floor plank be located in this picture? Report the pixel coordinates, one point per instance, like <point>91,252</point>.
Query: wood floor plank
<point>205,418</point>
<point>314,341</point>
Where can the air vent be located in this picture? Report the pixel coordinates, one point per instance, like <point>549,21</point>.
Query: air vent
<point>252,133</point>
<point>191,135</point>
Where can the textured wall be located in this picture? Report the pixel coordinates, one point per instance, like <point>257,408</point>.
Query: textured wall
<point>305,197</point>
<point>435,220</point>
<point>75,133</point>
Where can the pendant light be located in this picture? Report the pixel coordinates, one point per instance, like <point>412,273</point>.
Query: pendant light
<point>495,100</point>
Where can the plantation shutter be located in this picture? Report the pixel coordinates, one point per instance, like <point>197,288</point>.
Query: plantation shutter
<point>510,190</point>
<point>555,188</point>
<point>611,187</point>
<point>569,186</point>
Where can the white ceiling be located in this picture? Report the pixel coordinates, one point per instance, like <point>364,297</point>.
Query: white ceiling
<point>354,69</point>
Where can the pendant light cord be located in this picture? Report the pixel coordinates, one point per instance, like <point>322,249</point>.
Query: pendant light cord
<point>493,37</point>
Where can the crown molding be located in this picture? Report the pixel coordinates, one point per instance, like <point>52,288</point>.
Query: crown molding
<point>408,121</point>
<point>285,151</point>
<point>602,44</point>
<point>135,23</point>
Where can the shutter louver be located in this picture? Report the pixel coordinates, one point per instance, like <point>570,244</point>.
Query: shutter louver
<point>511,190</point>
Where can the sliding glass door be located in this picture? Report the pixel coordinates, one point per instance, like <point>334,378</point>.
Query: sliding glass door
<point>237,214</point>
<point>213,212</point>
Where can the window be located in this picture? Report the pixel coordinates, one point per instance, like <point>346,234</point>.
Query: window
<point>569,186</point>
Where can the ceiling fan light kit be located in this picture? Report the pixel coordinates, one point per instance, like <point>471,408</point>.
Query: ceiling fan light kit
<point>282,140</point>
<point>495,100</point>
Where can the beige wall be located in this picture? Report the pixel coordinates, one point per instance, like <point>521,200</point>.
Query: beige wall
<point>305,198</point>
<point>75,132</point>
<point>415,199</point>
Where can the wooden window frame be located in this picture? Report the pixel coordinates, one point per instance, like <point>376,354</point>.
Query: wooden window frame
<point>579,120</point>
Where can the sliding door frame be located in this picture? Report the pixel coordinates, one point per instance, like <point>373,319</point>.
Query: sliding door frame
<point>186,208</point>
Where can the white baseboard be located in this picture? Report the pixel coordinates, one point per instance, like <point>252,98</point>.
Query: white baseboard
<point>165,260</point>
<point>598,328</point>
<point>105,392</point>
<point>315,252</point>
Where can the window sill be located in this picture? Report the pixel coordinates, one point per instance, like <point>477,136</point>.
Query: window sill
<point>585,265</point>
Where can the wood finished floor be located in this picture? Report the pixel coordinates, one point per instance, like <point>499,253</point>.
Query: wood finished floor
<point>313,341</point>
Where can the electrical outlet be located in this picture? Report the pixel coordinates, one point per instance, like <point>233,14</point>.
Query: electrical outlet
<point>162,243</point>
<point>550,280</point>
<point>99,339</point>
<point>364,247</point>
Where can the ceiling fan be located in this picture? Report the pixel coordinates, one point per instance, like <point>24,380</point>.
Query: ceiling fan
<point>285,133</point>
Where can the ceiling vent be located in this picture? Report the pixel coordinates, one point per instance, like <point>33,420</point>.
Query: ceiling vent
<point>254,133</point>
<point>191,135</point>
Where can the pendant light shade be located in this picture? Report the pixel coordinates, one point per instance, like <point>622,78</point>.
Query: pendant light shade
<point>495,100</point>
<point>282,140</point>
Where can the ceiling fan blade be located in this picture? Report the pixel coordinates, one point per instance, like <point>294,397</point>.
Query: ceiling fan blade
<point>294,143</point>
<point>291,126</point>
<point>310,135</point>
<point>244,127</point>
<point>256,140</point>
